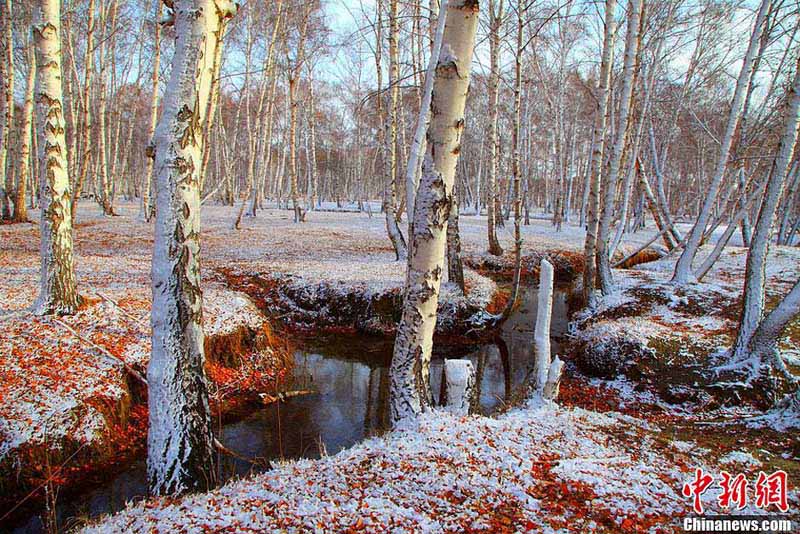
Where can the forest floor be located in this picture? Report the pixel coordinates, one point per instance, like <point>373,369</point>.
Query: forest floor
<point>611,458</point>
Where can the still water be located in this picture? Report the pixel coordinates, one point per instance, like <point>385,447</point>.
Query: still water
<point>349,380</point>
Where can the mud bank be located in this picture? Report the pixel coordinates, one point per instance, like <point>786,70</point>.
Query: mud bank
<point>310,306</point>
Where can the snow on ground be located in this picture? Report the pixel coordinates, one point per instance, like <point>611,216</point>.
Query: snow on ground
<point>542,469</point>
<point>62,379</point>
<point>534,469</point>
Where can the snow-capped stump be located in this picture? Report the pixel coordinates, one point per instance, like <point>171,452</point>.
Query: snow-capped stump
<point>458,386</point>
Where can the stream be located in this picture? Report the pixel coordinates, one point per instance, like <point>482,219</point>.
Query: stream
<point>349,378</point>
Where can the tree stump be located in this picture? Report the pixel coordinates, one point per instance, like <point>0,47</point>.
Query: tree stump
<point>458,386</point>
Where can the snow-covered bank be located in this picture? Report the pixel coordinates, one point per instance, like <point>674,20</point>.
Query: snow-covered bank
<point>533,469</point>
<point>368,304</point>
<point>667,339</point>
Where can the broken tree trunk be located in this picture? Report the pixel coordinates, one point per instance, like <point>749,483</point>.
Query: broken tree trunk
<point>459,386</point>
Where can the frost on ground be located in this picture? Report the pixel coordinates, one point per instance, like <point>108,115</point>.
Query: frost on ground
<point>667,339</point>
<point>66,383</point>
<point>534,469</point>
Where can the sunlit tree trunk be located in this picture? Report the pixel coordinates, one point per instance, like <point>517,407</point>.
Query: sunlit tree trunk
<point>410,368</point>
<point>683,268</point>
<point>180,442</point>
<point>20,207</point>
<point>6,176</point>
<point>755,272</point>
<point>58,289</point>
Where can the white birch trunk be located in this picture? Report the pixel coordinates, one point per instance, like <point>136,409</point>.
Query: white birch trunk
<point>20,207</point>
<point>8,123</point>
<point>599,135</point>
<point>683,268</point>
<point>147,207</point>
<point>58,292</point>
<point>418,142</point>
<point>604,230</point>
<point>410,368</point>
<point>495,20</point>
<point>180,442</point>
<point>755,272</point>
<point>86,113</point>
<point>541,333</point>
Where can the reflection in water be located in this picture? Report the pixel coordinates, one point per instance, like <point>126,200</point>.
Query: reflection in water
<point>350,380</point>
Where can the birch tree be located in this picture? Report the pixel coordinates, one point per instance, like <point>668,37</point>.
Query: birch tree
<point>683,268</point>
<point>390,166</point>
<point>755,271</point>
<point>410,367</point>
<point>612,177</point>
<point>58,293</point>
<point>23,176</point>
<point>8,99</point>
<point>598,137</point>
<point>495,21</point>
<point>147,205</point>
<point>180,449</point>
<point>86,111</point>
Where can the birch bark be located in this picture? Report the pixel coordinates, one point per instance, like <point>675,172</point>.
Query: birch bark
<point>180,442</point>
<point>612,177</point>
<point>683,268</point>
<point>495,21</point>
<point>755,271</point>
<point>593,205</point>
<point>20,207</point>
<point>147,208</point>
<point>410,368</point>
<point>86,112</point>
<point>8,124</point>
<point>58,292</point>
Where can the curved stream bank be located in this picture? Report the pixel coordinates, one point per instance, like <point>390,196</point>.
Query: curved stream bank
<point>348,379</point>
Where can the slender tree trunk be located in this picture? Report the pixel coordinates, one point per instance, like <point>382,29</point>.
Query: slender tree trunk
<point>410,368</point>
<point>683,268</point>
<point>20,207</point>
<point>86,113</point>
<point>603,256</point>
<point>418,142</point>
<point>516,161</point>
<point>746,229</point>
<point>455,267</point>
<point>6,176</point>
<point>492,196</point>
<point>180,441</point>
<point>58,289</point>
<point>106,200</point>
<point>755,272</point>
<point>593,206</point>
<point>390,166</point>
<point>147,208</point>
